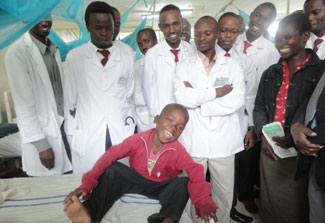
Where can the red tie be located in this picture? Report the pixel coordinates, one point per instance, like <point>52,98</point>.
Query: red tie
<point>175,52</point>
<point>227,54</point>
<point>316,43</point>
<point>105,53</point>
<point>246,45</point>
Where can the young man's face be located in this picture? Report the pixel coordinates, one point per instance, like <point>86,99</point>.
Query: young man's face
<point>315,10</point>
<point>289,42</point>
<point>228,31</point>
<point>260,19</point>
<point>145,41</point>
<point>170,124</point>
<point>42,29</point>
<point>117,24</point>
<point>205,35</point>
<point>171,26</point>
<point>101,29</point>
<point>186,31</point>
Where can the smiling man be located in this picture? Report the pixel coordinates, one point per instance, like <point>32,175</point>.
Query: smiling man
<point>161,60</point>
<point>98,89</point>
<point>315,10</point>
<point>212,88</point>
<point>35,76</point>
<point>146,39</point>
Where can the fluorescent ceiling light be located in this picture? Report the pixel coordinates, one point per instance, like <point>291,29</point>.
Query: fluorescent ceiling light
<point>156,14</point>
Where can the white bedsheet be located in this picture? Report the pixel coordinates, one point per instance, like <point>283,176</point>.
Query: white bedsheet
<point>44,202</point>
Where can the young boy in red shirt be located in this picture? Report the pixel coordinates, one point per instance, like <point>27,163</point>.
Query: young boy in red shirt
<point>156,160</point>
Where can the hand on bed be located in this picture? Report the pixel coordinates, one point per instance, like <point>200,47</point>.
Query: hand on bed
<point>78,192</point>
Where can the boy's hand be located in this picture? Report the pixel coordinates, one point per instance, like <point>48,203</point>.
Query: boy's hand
<point>47,158</point>
<point>222,91</point>
<point>299,134</point>
<point>78,192</point>
<point>212,215</point>
<point>268,148</point>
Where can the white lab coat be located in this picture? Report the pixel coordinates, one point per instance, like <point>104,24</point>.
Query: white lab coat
<point>159,74</point>
<point>102,97</point>
<point>321,47</point>
<point>144,122</point>
<point>37,115</point>
<point>213,130</point>
<point>249,69</point>
<point>262,52</point>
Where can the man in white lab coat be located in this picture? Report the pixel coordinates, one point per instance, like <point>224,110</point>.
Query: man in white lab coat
<point>99,86</point>
<point>35,76</point>
<point>161,60</point>
<point>315,10</point>
<point>213,90</point>
<point>264,54</point>
<point>146,38</point>
<point>228,31</point>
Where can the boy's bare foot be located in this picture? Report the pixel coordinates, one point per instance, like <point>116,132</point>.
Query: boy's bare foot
<point>76,211</point>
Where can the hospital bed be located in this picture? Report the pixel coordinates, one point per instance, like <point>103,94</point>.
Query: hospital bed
<point>39,199</point>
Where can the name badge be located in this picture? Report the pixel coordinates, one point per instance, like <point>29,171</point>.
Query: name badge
<point>221,81</point>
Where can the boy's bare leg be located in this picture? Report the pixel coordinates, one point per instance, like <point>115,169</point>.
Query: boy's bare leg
<point>76,211</point>
<point>168,220</point>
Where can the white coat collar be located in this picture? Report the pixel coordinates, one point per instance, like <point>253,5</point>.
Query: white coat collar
<point>115,55</point>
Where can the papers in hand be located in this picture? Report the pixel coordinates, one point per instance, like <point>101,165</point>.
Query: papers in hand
<point>275,129</point>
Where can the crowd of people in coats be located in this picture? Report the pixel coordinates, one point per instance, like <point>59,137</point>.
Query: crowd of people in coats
<point>179,112</point>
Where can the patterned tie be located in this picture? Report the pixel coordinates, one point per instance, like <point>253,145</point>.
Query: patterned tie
<point>105,53</point>
<point>316,43</point>
<point>246,45</point>
<point>227,54</point>
<point>175,52</point>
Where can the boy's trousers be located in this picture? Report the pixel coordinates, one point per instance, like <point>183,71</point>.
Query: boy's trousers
<point>119,179</point>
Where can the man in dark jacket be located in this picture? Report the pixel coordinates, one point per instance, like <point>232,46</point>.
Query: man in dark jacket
<point>309,136</point>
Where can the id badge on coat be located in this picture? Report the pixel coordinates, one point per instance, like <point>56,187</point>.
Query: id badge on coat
<point>122,80</point>
<point>221,81</point>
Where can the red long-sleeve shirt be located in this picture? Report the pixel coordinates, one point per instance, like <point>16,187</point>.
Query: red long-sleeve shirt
<point>171,162</point>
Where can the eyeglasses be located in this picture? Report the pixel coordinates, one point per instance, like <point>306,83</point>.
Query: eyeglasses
<point>225,31</point>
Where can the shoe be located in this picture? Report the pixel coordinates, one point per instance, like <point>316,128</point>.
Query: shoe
<point>239,217</point>
<point>251,207</point>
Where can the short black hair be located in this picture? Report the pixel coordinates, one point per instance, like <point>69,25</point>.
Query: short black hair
<point>206,17</point>
<point>168,8</point>
<point>229,14</point>
<point>311,0</point>
<point>151,32</point>
<point>268,5</point>
<point>298,21</point>
<point>98,7</point>
<point>180,107</point>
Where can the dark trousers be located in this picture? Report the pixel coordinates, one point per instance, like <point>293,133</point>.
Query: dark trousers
<point>120,179</point>
<point>247,172</point>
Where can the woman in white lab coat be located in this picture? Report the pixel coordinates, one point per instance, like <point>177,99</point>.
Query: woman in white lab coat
<point>37,113</point>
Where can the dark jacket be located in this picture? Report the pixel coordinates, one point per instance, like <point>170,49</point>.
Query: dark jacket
<point>303,162</point>
<point>302,85</point>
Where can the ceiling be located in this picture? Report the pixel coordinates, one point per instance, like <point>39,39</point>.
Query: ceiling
<point>200,7</point>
